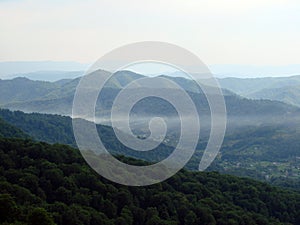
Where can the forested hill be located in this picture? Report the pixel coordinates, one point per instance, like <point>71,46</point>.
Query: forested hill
<point>260,152</point>
<point>8,130</point>
<point>51,184</point>
<point>58,129</point>
<point>41,127</point>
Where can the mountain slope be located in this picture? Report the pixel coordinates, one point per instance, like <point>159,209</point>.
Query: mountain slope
<point>285,89</point>
<point>41,127</point>
<point>47,69</point>
<point>47,184</point>
<point>265,151</point>
<point>7,130</point>
<point>34,96</point>
<point>245,86</point>
<point>22,89</point>
<point>288,94</point>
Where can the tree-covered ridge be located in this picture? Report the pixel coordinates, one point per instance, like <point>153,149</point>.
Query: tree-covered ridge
<point>266,152</point>
<point>58,129</point>
<point>41,127</point>
<point>48,184</point>
<point>8,130</point>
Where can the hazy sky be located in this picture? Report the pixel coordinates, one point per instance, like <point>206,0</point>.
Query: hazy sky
<point>256,32</point>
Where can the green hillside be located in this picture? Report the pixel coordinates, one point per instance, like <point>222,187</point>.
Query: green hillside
<point>41,127</point>
<point>7,130</point>
<point>22,89</point>
<point>51,184</point>
<point>267,152</point>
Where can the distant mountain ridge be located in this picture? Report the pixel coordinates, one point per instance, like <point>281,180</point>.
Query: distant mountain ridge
<point>287,94</point>
<point>285,89</point>
<point>254,71</point>
<point>41,70</point>
<point>57,97</point>
<point>47,69</point>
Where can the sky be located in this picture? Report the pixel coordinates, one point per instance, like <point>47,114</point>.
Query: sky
<point>256,32</point>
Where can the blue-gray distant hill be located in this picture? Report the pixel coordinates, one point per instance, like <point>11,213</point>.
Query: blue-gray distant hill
<point>41,70</point>
<point>57,98</point>
<point>285,89</point>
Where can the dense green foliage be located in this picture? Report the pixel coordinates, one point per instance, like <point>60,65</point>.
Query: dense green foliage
<point>52,184</point>
<point>41,127</point>
<point>268,153</point>
<point>7,130</point>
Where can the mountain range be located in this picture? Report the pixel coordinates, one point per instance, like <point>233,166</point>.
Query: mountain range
<point>41,70</point>
<point>253,126</point>
<point>49,70</point>
<point>285,89</point>
<point>57,97</point>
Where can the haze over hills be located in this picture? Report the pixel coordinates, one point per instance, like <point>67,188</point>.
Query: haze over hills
<point>288,94</point>
<point>49,70</point>
<point>262,151</point>
<point>254,71</point>
<point>280,85</point>
<point>257,82</point>
<point>51,76</point>
<point>262,120</point>
<point>57,97</point>
<point>285,89</point>
<point>246,86</point>
<point>41,70</point>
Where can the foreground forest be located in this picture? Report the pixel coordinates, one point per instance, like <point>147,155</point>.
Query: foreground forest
<point>51,184</point>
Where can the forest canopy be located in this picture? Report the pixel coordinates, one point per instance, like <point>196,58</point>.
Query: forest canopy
<point>51,184</point>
